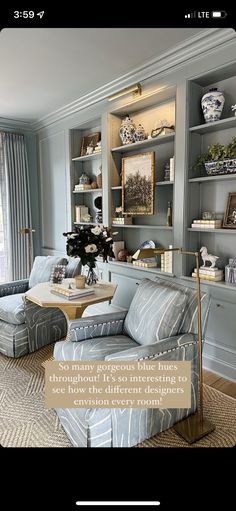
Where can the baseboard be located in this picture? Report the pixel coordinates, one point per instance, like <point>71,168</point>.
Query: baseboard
<point>220,367</point>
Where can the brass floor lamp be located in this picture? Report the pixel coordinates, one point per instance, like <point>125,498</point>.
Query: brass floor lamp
<point>196,426</point>
<point>27,230</point>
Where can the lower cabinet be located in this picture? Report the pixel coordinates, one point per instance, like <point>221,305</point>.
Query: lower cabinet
<point>126,288</point>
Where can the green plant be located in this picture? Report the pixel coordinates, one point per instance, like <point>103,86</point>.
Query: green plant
<point>217,152</point>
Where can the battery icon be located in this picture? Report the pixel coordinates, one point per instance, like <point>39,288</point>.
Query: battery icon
<point>218,14</point>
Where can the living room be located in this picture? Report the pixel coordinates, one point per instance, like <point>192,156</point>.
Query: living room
<point>117,242</point>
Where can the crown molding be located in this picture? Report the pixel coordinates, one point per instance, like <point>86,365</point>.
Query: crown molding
<point>175,58</point>
<point>10,124</point>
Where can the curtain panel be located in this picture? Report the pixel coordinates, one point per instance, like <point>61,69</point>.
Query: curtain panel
<point>15,178</point>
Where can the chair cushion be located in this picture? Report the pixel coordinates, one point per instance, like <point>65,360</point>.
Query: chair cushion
<point>93,349</point>
<point>42,268</point>
<point>73,267</point>
<point>13,340</point>
<point>155,312</point>
<point>12,309</point>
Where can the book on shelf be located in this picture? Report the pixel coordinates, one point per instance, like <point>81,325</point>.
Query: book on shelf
<point>216,278</point>
<point>80,212</point>
<point>206,226</point>
<point>209,271</point>
<point>167,261</point>
<point>127,220</point>
<point>212,222</point>
<point>71,294</point>
<point>146,263</point>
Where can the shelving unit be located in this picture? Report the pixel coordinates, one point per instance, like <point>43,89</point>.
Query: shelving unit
<point>210,193</point>
<point>88,164</point>
<point>131,266</point>
<point>146,112</point>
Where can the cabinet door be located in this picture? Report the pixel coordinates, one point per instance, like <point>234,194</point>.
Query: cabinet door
<point>126,288</point>
<point>221,324</point>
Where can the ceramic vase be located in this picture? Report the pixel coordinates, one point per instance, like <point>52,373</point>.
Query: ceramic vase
<point>212,104</point>
<point>127,131</point>
<point>139,133</point>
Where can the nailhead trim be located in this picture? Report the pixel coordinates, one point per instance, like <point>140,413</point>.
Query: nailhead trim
<point>98,324</point>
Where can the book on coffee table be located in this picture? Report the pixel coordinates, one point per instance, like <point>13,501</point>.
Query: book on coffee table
<point>71,294</point>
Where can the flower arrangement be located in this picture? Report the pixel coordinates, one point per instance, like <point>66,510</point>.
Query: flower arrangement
<point>89,242</point>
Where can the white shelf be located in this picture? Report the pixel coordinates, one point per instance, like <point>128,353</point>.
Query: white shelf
<point>92,190</point>
<point>230,122</point>
<point>226,177</point>
<point>222,284</point>
<point>132,226</point>
<point>88,157</point>
<point>164,183</point>
<point>133,267</point>
<point>144,143</point>
<point>87,223</point>
<point>216,231</point>
<point>160,183</point>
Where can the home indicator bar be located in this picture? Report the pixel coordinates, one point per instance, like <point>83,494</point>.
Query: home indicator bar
<point>118,503</point>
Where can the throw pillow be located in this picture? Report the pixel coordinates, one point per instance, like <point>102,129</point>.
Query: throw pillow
<point>42,268</point>
<point>155,312</point>
<point>12,309</point>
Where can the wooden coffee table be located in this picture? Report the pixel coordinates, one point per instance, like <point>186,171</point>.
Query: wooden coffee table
<point>73,309</point>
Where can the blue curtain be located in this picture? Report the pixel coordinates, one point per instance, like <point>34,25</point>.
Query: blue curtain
<point>18,204</point>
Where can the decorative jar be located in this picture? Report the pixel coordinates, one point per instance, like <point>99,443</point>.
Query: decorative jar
<point>212,104</point>
<point>139,133</point>
<point>127,130</point>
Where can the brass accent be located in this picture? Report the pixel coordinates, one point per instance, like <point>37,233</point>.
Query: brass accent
<point>29,231</point>
<point>135,89</point>
<point>196,426</point>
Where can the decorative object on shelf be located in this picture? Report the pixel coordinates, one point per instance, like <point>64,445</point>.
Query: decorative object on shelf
<point>212,104</point>
<point>98,147</point>
<point>149,262</point>
<point>58,274</point>
<point>230,272</point>
<point>167,171</point>
<point>162,128</point>
<point>127,130</point>
<point>208,257</point>
<point>167,261</point>
<point>99,177</point>
<point>84,179</point>
<point>88,242</point>
<point>116,247</point>
<point>86,218</point>
<point>80,281</point>
<point>208,215</point>
<point>138,172</point>
<point>169,215</point>
<point>195,426</point>
<point>89,141</point>
<point>233,108</point>
<point>122,255</point>
<point>80,212</point>
<point>90,148</point>
<point>139,133</point>
<point>94,185</point>
<point>212,274</point>
<point>98,205</point>
<point>219,159</point>
<point>229,221</point>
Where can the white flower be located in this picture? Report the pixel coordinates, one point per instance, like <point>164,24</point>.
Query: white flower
<point>72,236</point>
<point>108,239</point>
<point>90,248</point>
<point>96,230</point>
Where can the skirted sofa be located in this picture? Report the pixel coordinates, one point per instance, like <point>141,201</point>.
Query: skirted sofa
<point>161,324</point>
<point>24,326</point>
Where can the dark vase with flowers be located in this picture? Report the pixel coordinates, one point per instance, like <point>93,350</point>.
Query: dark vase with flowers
<point>89,242</point>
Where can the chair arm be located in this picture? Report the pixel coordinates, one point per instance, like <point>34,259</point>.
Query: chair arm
<point>14,287</point>
<point>161,349</point>
<point>96,326</point>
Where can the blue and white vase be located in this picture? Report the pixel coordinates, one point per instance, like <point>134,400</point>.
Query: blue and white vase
<point>212,104</point>
<point>127,130</point>
<point>139,133</point>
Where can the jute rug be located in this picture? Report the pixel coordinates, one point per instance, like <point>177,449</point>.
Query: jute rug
<point>24,422</point>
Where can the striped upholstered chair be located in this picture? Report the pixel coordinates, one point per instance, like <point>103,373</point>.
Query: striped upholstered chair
<point>161,324</point>
<point>24,326</point>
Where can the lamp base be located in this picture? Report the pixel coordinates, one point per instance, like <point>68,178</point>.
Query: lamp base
<point>194,427</point>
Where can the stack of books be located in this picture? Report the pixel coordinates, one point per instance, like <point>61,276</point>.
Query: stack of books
<point>80,212</point>
<point>79,188</point>
<point>206,224</point>
<point>126,220</point>
<point>71,294</point>
<point>167,261</point>
<point>146,263</point>
<point>212,274</point>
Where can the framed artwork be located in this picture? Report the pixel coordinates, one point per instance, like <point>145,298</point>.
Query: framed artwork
<point>89,141</point>
<point>230,213</point>
<point>138,173</point>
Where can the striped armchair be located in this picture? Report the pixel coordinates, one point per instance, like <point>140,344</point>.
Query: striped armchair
<point>161,323</point>
<point>24,326</point>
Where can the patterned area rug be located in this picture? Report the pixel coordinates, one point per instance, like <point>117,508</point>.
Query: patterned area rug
<point>24,422</point>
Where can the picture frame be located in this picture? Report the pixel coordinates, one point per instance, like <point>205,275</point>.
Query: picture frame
<point>229,221</point>
<point>88,140</point>
<point>138,184</point>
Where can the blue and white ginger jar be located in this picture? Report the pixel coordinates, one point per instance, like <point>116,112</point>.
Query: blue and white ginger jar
<point>212,105</point>
<point>127,131</point>
<point>139,133</point>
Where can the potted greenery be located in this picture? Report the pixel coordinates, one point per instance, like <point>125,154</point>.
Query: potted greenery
<point>219,159</point>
